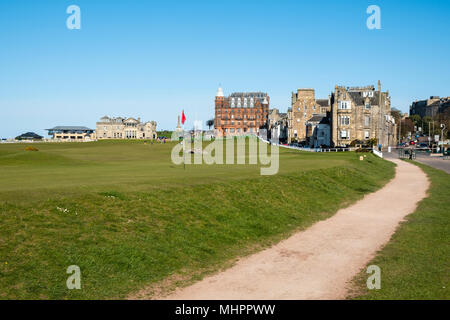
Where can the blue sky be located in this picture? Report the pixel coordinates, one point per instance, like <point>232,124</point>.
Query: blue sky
<point>151,59</point>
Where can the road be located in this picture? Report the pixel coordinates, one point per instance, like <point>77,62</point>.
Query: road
<point>435,162</point>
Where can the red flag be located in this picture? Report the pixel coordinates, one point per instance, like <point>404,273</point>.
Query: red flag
<point>183,118</point>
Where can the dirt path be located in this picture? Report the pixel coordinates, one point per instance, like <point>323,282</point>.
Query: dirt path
<point>318,263</point>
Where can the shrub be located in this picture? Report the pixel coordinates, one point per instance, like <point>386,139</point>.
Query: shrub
<point>30,148</point>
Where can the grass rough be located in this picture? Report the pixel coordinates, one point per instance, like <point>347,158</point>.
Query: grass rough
<point>415,263</point>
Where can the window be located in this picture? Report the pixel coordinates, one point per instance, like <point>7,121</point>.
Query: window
<point>344,120</point>
<point>344,105</point>
<point>367,106</point>
<point>345,134</point>
<point>366,120</point>
<point>366,134</point>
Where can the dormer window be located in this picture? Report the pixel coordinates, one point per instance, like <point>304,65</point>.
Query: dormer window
<point>344,105</point>
<point>367,106</point>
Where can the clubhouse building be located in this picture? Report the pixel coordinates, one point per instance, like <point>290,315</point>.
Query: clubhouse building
<point>125,128</point>
<point>71,133</point>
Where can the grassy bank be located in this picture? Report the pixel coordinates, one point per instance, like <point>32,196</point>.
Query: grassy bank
<point>415,263</point>
<point>128,217</point>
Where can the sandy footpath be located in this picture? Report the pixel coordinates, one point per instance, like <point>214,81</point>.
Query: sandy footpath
<point>319,262</point>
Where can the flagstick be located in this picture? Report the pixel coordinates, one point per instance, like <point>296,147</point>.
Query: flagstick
<point>184,144</point>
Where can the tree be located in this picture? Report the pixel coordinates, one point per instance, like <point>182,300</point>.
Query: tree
<point>416,119</point>
<point>372,142</point>
<point>407,127</point>
<point>210,123</point>
<point>427,124</point>
<point>397,114</point>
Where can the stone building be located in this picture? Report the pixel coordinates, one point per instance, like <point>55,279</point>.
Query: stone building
<point>361,113</point>
<point>240,113</point>
<point>278,125</point>
<point>125,128</point>
<point>430,107</point>
<point>274,116</point>
<point>318,131</point>
<point>304,106</point>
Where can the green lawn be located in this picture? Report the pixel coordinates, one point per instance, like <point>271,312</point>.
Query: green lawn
<point>415,263</point>
<point>134,219</point>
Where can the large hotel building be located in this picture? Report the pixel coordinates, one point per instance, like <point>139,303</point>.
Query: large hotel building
<point>240,113</point>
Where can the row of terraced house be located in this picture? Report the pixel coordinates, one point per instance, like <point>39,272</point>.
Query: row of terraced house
<point>348,114</point>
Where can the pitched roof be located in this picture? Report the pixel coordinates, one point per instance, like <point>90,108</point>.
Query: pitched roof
<point>30,135</point>
<point>71,128</point>
<point>322,102</point>
<point>317,117</point>
<point>359,100</point>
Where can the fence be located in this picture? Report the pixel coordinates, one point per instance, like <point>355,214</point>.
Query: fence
<point>406,154</point>
<point>377,153</point>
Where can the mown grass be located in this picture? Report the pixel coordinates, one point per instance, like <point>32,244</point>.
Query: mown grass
<point>134,219</point>
<point>415,263</point>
